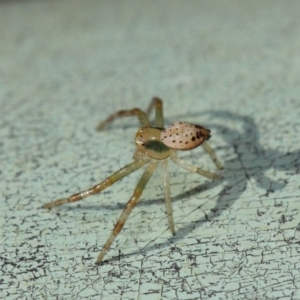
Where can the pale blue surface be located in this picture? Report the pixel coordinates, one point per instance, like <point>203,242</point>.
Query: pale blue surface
<point>232,66</point>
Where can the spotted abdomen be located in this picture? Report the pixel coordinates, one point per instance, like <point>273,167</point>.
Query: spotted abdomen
<point>184,136</point>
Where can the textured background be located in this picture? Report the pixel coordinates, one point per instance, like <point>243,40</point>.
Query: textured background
<point>232,66</point>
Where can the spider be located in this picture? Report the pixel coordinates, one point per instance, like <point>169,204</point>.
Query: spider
<point>154,145</point>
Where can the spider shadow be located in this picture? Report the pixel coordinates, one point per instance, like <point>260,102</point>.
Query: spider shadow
<point>239,172</point>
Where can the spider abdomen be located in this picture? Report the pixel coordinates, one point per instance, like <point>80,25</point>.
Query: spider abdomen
<point>184,136</point>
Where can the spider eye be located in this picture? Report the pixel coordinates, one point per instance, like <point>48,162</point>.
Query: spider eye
<point>184,136</point>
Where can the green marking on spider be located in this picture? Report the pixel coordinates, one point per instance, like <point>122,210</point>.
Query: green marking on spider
<point>156,146</point>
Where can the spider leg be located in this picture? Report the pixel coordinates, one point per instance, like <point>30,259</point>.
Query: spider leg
<point>212,154</point>
<point>181,163</point>
<point>102,185</point>
<point>166,180</point>
<point>130,205</point>
<point>159,114</point>
<point>142,116</point>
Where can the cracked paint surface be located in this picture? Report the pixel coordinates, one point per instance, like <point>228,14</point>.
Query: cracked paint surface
<point>235,239</point>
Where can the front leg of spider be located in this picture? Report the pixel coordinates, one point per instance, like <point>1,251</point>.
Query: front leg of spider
<point>154,146</point>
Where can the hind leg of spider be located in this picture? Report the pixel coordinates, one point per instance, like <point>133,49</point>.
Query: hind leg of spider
<point>130,205</point>
<point>181,163</point>
<point>102,185</point>
<point>142,116</point>
<point>159,114</point>
<point>166,182</point>
<point>212,154</point>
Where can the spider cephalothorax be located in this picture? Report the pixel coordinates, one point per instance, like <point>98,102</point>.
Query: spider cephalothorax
<point>154,145</point>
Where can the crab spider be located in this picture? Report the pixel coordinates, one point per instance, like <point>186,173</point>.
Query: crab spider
<point>154,145</point>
